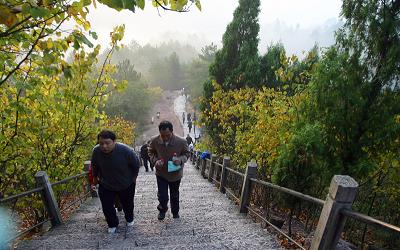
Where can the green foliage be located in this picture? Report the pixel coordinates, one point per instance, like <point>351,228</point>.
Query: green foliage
<point>167,74</point>
<point>334,113</point>
<point>176,5</point>
<point>237,63</point>
<point>270,63</point>
<point>143,57</point>
<point>49,125</point>
<point>196,72</point>
<point>133,103</point>
<point>301,164</point>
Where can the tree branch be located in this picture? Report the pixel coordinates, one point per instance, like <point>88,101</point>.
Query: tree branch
<point>166,8</point>
<point>25,58</point>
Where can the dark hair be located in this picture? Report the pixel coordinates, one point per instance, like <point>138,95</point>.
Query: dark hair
<point>106,134</point>
<point>164,125</point>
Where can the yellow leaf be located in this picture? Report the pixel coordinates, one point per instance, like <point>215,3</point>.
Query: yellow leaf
<point>49,43</point>
<point>7,17</point>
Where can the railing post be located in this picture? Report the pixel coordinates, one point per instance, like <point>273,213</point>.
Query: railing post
<point>42,180</point>
<point>203,167</point>
<point>86,165</point>
<point>211,169</point>
<point>198,164</point>
<point>193,156</point>
<point>342,192</point>
<point>196,159</point>
<point>225,164</point>
<point>251,172</point>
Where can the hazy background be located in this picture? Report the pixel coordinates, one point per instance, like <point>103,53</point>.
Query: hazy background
<point>164,48</point>
<point>297,24</point>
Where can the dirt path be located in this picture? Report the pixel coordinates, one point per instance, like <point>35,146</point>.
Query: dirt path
<point>166,108</point>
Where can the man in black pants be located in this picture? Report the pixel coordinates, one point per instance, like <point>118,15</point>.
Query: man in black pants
<point>115,168</point>
<point>145,157</point>
<point>168,153</point>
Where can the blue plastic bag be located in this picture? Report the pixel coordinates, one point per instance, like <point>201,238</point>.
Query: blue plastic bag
<point>172,167</point>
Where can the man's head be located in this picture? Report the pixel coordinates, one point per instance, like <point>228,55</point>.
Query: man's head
<point>106,140</point>
<point>166,130</point>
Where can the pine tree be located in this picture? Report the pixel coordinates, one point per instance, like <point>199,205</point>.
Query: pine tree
<point>237,63</point>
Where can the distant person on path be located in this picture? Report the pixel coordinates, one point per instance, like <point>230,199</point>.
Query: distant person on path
<point>189,125</point>
<point>183,117</point>
<point>189,139</point>
<point>158,115</point>
<point>115,169</point>
<point>145,157</point>
<point>189,117</point>
<point>162,149</point>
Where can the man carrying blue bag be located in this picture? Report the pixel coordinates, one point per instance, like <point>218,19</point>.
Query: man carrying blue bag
<point>168,153</point>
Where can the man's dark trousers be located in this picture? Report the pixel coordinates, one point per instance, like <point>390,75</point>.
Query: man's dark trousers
<point>107,198</point>
<point>163,185</point>
<point>145,164</point>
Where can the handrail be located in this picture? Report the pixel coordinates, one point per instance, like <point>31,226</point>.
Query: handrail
<point>68,179</point>
<point>76,201</point>
<point>275,227</point>
<point>39,189</point>
<point>345,212</point>
<point>234,171</point>
<point>28,230</point>
<point>229,191</point>
<point>291,192</point>
<point>369,220</point>
<point>17,196</point>
<point>218,164</point>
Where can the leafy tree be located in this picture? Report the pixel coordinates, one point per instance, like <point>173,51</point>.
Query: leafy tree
<point>51,126</point>
<point>270,63</point>
<point>167,73</point>
<point>49,106</point>
<point>237,63</point>
<point>133,103</point>
<point>208,53</point>
<point>196,72</point>
<point>28,27</point>
<point>356,90</point>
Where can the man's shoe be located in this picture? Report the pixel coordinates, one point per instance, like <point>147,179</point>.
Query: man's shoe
<point>112,230</point>
<point>175,216</point>
<point>161,215</point>
<point>129,224</point>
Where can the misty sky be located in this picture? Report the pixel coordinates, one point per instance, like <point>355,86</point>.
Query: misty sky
<point>296,23</point>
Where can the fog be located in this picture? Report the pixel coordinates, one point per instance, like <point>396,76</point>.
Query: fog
<point>297,24</point>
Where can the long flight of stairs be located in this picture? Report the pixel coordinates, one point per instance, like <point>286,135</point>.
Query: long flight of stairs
<point>208,221</point>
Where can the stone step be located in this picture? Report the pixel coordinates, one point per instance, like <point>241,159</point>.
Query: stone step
<point>161,229</point>
<point>208,221</point>
<point>133,239</point>
<point>188,240</point>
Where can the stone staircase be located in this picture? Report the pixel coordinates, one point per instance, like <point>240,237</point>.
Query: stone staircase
<point>208,221</point>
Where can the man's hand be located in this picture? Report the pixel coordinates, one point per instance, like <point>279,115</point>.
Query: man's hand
<point>177,161</point>
<point>159,163</point>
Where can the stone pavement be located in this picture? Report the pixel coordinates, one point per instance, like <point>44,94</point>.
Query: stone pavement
<point>208,220</point>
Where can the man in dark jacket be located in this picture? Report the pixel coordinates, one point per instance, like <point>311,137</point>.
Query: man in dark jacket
<point>145,157</point>
<point>168,153</point>
<point>189,139</point>
<point>115,168</point>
